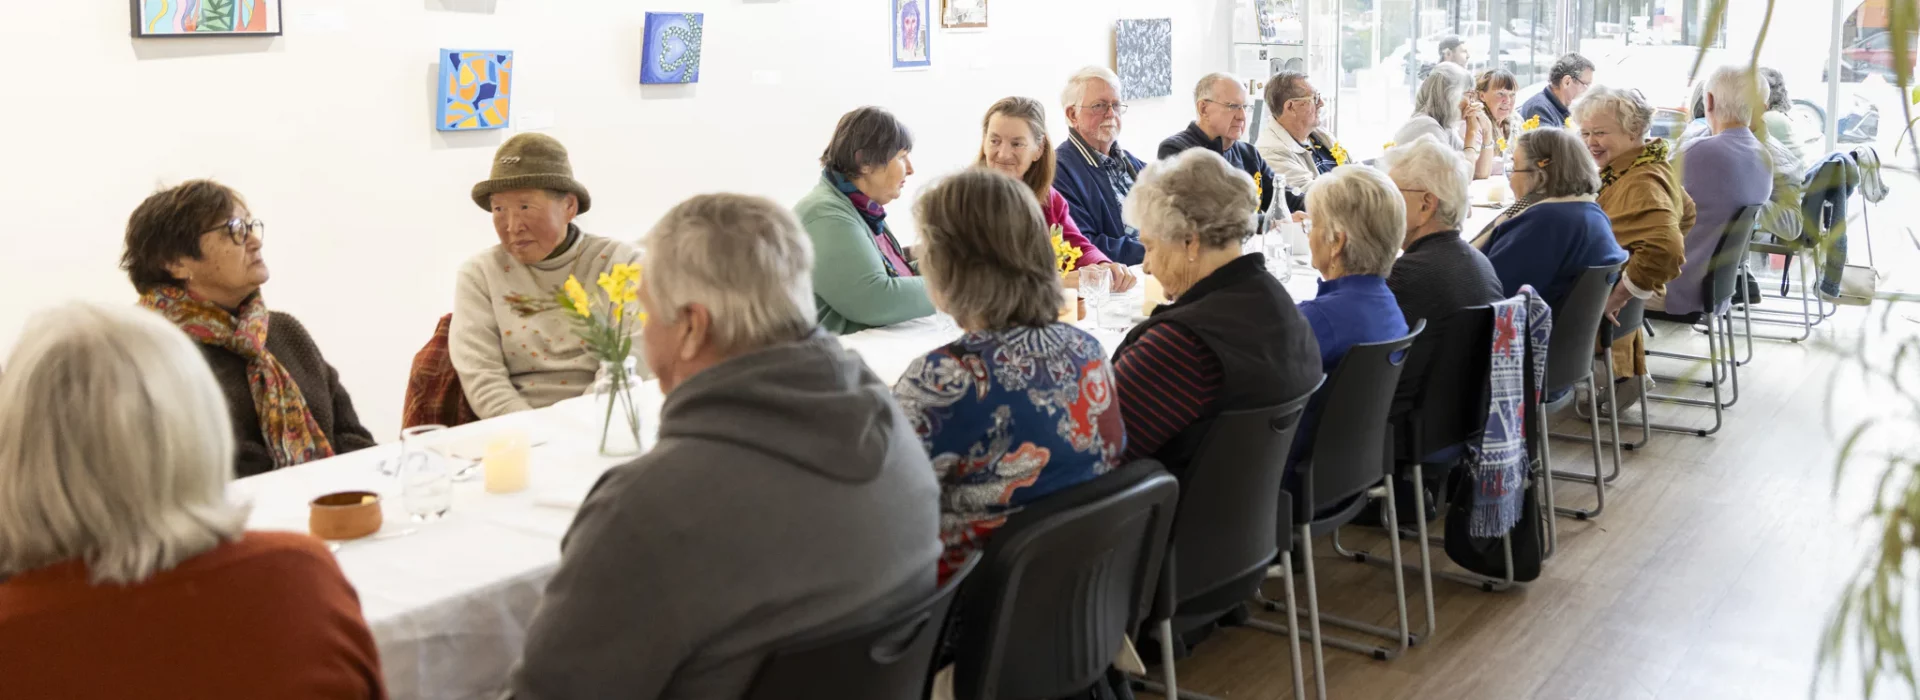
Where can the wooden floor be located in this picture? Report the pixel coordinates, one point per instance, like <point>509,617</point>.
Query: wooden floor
<point>1711,573</point>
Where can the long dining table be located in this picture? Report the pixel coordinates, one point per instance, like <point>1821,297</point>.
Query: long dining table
<point>449,601</point>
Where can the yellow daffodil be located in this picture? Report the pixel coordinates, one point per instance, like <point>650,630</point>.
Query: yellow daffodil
<point>1064,253</point>
<point>1567,123</point>
<point>1386,145</point>
<point>577,296</point>
<point>1531,123</point>
<point>1339,154</point>
<point>1259,190</point>
<point>1502,143</point>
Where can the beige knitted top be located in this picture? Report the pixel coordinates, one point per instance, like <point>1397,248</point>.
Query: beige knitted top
<point>508,363</point>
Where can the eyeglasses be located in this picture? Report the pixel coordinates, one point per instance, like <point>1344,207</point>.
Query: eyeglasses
<point>1235,107</point>
<point>1583,83</point>
<point>1318,99</point>
<point>1118,108</point>
<point>239,230</point>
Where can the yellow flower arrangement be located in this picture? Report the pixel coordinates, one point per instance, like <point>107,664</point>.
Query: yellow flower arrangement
<point>1502,144</point>
<point>606,328</point>
<point>1339,154</point>
<point>1531,123</point>
<point>1064,253</point>
<point>1259,188</point>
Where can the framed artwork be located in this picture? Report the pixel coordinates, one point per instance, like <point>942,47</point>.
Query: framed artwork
<point>205,18</point>
<point>671,51</point>
<point>474,90</point>
<point>963,14</point>
<point>911,34</point>
<point>1143,57</point>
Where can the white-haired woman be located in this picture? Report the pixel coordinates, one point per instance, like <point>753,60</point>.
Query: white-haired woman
<point>1231,339</point>
<point>1443,109</point>
<point>1439,273</point>
<point>1022,406</point>
<point>124,572</point>
<point>1359,219</point>
<point>1643,199</point>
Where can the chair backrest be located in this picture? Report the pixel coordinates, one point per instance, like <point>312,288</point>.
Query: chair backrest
<point>1350,443</point>
<point>885,660</point>
<point>1728,254</point>
<point>1061,584</point>
<point>1230,506</point>
<point>1443,394</point>
<point>1576,323</point>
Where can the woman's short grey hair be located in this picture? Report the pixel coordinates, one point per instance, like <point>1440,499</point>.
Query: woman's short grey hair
<point>1777,98</point>
<point>1439,96</point>
<point>1428,166</point>
<point>988,256</point>
<point>1077,85</point>
<point>1626,106</point>
<point>115,447</point>
<point>744,258</point>
<point>1366,206</point>
<point>868,137</point>
<point>1565,167</point>
<point>1737,93</point>
<point>1195,195</point>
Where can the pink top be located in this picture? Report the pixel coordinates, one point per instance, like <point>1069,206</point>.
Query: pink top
<point>1059,215</point>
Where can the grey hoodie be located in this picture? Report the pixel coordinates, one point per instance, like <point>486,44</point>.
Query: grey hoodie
<point>787,497</point>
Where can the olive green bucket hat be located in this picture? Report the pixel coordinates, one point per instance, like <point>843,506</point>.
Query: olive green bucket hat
<point>531,161</point>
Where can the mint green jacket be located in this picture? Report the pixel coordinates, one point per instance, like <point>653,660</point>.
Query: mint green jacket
<point>851,288</point>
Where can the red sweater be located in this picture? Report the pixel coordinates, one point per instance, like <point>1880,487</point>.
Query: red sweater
<point>267,616</point>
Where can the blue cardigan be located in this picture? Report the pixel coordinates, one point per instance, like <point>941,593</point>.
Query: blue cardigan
<point>1094,201</point>
<point>1549,246</point>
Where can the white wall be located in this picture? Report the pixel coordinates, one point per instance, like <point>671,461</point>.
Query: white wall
<point>328,133</point>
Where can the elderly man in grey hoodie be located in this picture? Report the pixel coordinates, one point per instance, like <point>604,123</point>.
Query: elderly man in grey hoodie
<point>787,496</point>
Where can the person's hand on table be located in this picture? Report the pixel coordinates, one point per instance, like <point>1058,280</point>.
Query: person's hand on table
<point>1123,278</point>
<point>1299,217</point>
<point>1618,300</point>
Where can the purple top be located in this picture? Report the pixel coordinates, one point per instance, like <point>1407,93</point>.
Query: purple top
<point>1723,173</point>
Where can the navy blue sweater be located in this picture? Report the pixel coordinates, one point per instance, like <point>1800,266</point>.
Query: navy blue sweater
<point>1239,154</point>
<point>1549,246</point>
<point>1093,197</point>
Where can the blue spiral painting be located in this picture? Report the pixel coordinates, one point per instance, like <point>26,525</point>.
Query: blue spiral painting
<point>671,51</point>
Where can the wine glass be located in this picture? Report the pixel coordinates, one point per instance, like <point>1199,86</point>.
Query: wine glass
<point>1096,284</point>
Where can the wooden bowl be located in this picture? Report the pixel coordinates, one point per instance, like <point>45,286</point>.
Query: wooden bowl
<point>348,515</point>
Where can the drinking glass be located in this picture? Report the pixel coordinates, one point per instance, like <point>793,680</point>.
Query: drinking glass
<point>426,480</point>
<point>1096,284</point>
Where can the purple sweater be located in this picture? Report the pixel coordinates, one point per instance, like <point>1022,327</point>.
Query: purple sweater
<point>1723,173</point>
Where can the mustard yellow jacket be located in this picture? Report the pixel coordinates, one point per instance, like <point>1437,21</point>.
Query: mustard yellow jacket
<point>1651,214</point>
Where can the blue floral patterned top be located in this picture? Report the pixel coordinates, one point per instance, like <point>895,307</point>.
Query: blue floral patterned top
<point>1009,417</point>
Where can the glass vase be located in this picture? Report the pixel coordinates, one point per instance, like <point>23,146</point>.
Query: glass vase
<point>620,414</point>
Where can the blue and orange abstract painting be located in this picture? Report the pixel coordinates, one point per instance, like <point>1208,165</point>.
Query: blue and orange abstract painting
<point>670,52</point>
<point>474,87</point>
<point>201,18</point>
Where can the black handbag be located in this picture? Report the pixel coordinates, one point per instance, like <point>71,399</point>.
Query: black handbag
<point>1484,555</point>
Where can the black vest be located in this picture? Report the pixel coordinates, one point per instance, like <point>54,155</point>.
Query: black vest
<point>1267,352</point>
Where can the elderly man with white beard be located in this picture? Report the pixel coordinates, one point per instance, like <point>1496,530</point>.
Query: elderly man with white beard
<point>1095,173</point>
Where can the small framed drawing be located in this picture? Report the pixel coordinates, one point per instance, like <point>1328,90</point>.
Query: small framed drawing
<point>670,53</point>
<point>963,14</point>
<point>911,34</point>
<point>205,18</point>
<point>474,90</point>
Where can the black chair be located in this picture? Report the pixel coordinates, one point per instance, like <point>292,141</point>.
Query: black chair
<point>1062,584</point>
<point>1441,402</point>
<point>1717,316</point>
<point>1571,351</point>
<point>1224,537</point>
<point>887,660</point>
<point>1344,469</point>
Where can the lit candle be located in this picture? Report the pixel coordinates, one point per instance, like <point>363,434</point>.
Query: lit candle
<point>505,463</point>
<point>1152,296</point>
<point>1069,305</point>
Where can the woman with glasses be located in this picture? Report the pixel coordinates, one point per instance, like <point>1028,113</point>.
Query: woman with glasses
<point>1291,140</point>
<point>1555,231</point>
<point>1013,141</point>
<point>193,253</point>
<point>1442,109</point>
<point>1495,91</point>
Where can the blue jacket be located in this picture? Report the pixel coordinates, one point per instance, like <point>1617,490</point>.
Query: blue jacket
<point>1549,245</point>
<point>1094,185</point>
<point>1239,154</point>
<point>1547,108</point>
<point>1348,311</point>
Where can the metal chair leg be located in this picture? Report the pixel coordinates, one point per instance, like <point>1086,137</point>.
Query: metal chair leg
<point>1599,477</point>
<point>1166,656</point>
<point>1293,631</point>
<point>1313,614</point>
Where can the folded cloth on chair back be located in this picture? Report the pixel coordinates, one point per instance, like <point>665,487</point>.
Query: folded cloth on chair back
<point>434,395</point>
<point>1521,327</point>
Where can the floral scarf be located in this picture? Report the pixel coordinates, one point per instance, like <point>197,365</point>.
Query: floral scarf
<point>876,218</point>
<point>1654,152</point>
<point>292,436</point>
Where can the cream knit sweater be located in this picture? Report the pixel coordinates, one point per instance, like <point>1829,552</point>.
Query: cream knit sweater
<point>508,363</point>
